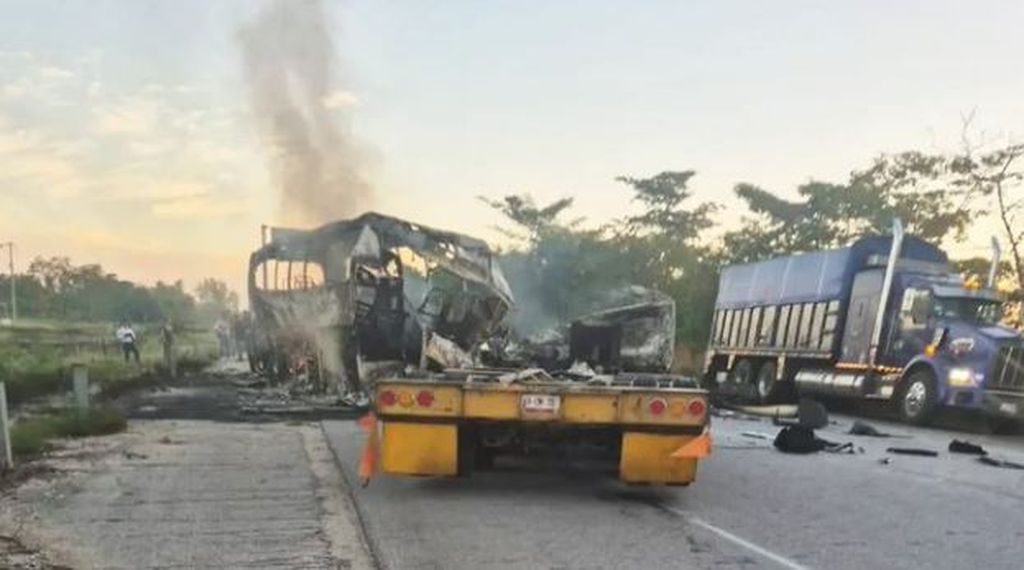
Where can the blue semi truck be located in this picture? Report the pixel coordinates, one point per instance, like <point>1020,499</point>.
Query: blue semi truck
<point>887,317</point>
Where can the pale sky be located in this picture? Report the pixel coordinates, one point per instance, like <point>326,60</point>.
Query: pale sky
<point>127,137</point>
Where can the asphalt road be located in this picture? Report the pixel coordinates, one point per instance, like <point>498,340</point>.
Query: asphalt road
<point>751,507</point>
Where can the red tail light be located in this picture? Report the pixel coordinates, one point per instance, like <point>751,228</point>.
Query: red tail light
<point>697,408</point>
<point>425,399</point>
<point>388,398</point>
<point>657,407</point>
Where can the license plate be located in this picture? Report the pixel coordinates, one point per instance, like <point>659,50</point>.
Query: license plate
<point>1008,407</point>
<point>540,403</point>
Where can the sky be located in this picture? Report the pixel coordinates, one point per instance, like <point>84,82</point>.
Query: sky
<point>128,134</point>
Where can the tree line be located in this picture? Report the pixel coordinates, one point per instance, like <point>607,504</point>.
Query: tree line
<point>560,267</point>
<point>55,288</point>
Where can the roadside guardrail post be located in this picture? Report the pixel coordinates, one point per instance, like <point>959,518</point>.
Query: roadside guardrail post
<point>6,457</point>
<point>80,381</point>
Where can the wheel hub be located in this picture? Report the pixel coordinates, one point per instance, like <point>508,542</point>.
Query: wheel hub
<point>915,398</point>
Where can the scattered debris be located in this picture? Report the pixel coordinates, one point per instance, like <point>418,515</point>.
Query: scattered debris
<point>864,428</point>
<point>962,446</point>
<point>147,409</point>
<point>798,439</point>
<point>885,460</point>
<point>445,353</point>
<point>581,369</point>
<point>527,375</point>
<point>133,455</point>
<point>843,448</point>
<point>918,451</point>
<point>756,435</point>
<point>996,462</point>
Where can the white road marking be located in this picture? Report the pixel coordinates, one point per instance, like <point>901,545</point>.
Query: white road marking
<point>740,541</point>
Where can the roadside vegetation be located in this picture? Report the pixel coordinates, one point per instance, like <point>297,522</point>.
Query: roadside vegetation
<point>36,356</point>
<point>33,436</point>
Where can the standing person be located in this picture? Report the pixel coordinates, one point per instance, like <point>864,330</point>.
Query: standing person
<point>126,336</point>
<point>170,359</point>
<point>240,334</point>
<point>223,337</point>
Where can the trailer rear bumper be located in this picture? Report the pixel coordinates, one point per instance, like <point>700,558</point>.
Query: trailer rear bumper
<point>648,458</point>
<point>433,448</point>
<point>410,448</point>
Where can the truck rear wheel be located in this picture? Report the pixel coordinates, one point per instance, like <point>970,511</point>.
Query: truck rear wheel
<point>741,377</point>
<point>918,398</point>
<point>765,383</point>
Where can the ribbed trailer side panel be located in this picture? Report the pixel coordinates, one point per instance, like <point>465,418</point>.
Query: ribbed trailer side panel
<point>797,304</point>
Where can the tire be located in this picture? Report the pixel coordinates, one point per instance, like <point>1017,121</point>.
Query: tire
<point>741,377</point>
<point>765,383</point>
<point>742,373</point>
<point>918,398</point>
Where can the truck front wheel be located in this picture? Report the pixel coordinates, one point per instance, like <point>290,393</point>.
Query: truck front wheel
<point>918,398</point>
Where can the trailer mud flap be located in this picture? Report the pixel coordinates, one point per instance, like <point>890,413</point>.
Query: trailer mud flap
<point>419,449</point>
<point>647,458</point>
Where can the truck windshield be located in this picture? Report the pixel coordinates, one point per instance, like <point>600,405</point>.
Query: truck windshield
<point>961,308</point>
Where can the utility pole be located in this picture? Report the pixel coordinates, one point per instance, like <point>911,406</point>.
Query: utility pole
<point>14,294</point>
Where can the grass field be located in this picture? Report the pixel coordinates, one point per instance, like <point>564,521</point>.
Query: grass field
<point>36,356</point>
<point>32,436</point>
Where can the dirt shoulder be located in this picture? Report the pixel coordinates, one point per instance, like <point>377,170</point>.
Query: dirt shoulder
<point>200,490</point>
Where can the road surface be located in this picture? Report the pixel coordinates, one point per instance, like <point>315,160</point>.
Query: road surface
<point>752,507</point>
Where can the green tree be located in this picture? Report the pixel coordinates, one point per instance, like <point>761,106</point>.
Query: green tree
<point>663,249</point>
<point>556,269</point>
<point>917,188</point>
<point>995,179</point>
<point>214,299</point>
<point>174,302</point>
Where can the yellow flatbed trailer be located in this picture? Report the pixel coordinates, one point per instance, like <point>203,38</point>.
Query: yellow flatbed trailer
<point>661,433</point>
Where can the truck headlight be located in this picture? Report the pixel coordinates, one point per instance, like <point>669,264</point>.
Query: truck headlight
<point>961,377</point>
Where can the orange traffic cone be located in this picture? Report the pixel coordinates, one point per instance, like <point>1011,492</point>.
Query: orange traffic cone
<point>697,448</point>
<point>368,461</point>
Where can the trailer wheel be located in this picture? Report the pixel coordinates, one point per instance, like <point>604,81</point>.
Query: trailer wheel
<point>918,398</point>
<point>766,385</point>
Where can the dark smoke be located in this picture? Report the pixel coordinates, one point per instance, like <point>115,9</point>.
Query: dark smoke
<point>291,69</point>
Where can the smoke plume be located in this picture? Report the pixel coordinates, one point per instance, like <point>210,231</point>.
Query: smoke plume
<point>291,68</point>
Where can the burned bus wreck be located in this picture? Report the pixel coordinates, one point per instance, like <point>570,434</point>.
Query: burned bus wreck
<point>341,304</point>
<point>629,329</point>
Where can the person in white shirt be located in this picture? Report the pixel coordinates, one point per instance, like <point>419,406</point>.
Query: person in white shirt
<point>126,336</point>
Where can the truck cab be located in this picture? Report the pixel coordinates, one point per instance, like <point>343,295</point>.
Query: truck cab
<point>946,338</point>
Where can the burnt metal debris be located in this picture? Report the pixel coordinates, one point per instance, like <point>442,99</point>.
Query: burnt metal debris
<point>341,305</point>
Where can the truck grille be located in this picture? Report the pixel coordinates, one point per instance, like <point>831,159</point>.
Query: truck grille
<point>1008,373</point>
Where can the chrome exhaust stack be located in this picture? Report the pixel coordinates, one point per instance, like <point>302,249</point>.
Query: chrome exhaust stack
<point>997,254</point>
<point>890,272</point>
